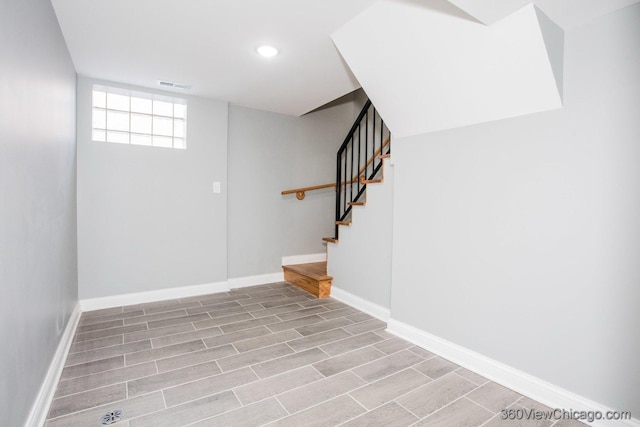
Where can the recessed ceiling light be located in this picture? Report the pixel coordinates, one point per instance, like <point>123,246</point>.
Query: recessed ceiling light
<point>267,51</point>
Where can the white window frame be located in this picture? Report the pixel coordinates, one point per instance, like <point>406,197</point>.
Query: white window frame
<point>147,126</point>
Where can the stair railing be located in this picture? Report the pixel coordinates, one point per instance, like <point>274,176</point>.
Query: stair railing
<point>359,160</point>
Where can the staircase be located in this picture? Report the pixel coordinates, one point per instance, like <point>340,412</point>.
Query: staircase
<point>359,163</point>
<point>311,277</point>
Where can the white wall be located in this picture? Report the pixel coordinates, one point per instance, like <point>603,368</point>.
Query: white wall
<point>361,262</point>
<point>38,270</point>
<point>520,239</point>
<point>442,69</point>
<point>269,153</point>
<point>147,216</point>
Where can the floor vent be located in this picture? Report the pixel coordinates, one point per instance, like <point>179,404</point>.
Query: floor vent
<point>111,417</point>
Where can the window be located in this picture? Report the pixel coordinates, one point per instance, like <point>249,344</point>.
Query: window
<point>128,117</point>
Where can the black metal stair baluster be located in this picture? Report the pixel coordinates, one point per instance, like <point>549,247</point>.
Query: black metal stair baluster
<point>366,144</point>
<point>366,135</point>
<point>351,174</point>
<point>345,207</point>
<point>358,164</point>
<point>381,138</point>
<point>338,192</point>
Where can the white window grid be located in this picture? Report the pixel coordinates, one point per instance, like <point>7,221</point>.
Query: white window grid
<point>176,138</point>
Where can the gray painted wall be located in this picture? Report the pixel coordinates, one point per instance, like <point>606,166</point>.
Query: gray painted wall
<point>361,262</point>
<point>269,153</point>
<point>520,239</point>
<point>147,216</point>
<point>38,270</point>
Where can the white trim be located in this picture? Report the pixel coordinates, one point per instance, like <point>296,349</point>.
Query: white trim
<point>90,304</point>
<point>303,259</point>
<point>262,279</point>
<point>523,383</point>
<point>361,304</point>
<point>38,413</point>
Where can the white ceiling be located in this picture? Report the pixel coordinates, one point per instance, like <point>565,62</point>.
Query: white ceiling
<point>210,44</point>
<point>565,13</point>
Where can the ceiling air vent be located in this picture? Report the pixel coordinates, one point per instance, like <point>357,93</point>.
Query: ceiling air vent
<point>174,85</point>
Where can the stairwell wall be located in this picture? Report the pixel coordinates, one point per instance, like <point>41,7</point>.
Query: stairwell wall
<point>520,240</point>
<point>361,262</point>
<point>269,153</point>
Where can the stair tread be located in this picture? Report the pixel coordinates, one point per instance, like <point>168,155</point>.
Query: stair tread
<point>330,239</point>
<point>371,181</point>
<point>357,203</point>
<point>314,270</point>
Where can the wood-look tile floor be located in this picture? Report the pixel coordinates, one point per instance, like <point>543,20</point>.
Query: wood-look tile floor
<point>266,355</point>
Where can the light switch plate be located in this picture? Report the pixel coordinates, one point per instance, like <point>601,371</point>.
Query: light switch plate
<point>216,187</point>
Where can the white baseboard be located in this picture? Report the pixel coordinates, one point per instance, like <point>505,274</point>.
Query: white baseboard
<point>90,304</point>
<point>361,304</point>
<point>303,259</point>
<point>262,279</point>
<point>521,382</point>
<point>38,413</point>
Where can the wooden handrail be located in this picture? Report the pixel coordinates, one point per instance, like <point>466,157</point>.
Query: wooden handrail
<point>301,192</point>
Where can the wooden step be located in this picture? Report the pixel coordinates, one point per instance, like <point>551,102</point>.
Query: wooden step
<point>384,156</point>
<point>311,277</point>
<point>372,181</point>
<point>330,240</point>
<point>356,203</point>
<point>343,223</point>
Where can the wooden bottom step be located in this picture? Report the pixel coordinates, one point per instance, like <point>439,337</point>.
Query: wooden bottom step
<point>311,277</point>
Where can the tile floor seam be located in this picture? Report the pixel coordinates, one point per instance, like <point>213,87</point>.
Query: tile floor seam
<point>254,373</point>
<point>102,330</point>
<point>489,420</point>
<point>418,419</point>
<point>93,373</point>
<point>104,358</point>
<point>285,391</point>
<point>452,402</point>
<point>190,382</point>
<point>285,410</point>
<point>292,349</point>
<point>89,390</point>
<point>164,400</point>
<point>361,348</point>
<point>322,402</point>
<point>408,410</point>
<point>400,395</point>
<point>433,356</point>
<point>98,348</point>
<point>314,368</point>
<point>350,333</point>
<point>478,385</point>
<point>476,403</point>
<point>393,373</point>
